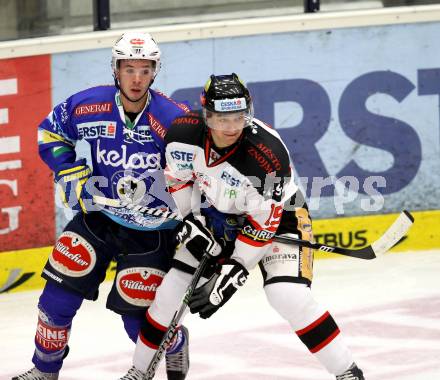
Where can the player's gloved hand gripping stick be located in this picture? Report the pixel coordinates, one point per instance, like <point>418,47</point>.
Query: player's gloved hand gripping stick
<point>197,238</point>
<point>199,241</point>
<point>169,334</point>
<point>229,277</point>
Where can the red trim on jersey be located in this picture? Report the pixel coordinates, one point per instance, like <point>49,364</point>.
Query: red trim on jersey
<point>252,242</point>
<point>172,178</point>
<point>156,127</point>
<point>173,189</point>
<point>325,342</point>
<point>257,226</point>
<point>254,222</point>
<point>222,158</point>
<point>182,106</point>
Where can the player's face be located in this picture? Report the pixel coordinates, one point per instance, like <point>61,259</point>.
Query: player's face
<point>226,129</point>
<point>135,76</point>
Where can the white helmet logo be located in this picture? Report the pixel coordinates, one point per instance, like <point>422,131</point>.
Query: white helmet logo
<point>136,45</point>
<point>137,41</point>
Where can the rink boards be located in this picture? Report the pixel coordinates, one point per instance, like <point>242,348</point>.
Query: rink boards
<point>21,269</point>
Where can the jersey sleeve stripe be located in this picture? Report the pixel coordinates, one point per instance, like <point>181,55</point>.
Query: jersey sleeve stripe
<point>182,106</point>
<point>254,223</point>
<point>173,189</point>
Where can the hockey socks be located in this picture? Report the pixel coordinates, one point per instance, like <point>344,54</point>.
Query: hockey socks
<point>319,333</point>
<point>57,307</point>
<point>322,338</point>
<point>314,326</point>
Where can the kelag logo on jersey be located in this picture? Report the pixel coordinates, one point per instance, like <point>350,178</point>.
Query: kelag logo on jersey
<point>138,285</point>
<point>73,255</point>
<point>116,159</point>
<point>95,129</point>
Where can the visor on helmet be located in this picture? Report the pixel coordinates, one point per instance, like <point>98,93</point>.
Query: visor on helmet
<point>227,121</point>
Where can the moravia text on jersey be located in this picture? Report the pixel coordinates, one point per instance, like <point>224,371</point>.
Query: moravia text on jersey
<point>251,178</point>
<point>127,157</point>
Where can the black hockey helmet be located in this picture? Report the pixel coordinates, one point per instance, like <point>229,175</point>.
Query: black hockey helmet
<point>227,94</point>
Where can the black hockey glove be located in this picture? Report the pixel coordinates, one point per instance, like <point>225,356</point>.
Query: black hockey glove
<point>197,238</point>
<point>211,296</point>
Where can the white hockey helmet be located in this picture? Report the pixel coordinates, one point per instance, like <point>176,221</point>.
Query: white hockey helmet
<point>136,45</point>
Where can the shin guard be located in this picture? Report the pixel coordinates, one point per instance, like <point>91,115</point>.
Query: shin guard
<point>57,307</point>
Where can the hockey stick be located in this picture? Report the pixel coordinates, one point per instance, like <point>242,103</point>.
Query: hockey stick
<point>169,334</point>
<point>390,238</point>
<point>378,248</point>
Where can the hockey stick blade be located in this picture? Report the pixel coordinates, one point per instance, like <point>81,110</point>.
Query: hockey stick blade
<point>390,238</point>
<point>378,248</point>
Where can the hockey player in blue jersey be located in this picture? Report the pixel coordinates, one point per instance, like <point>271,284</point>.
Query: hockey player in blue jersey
<point>124,126</point>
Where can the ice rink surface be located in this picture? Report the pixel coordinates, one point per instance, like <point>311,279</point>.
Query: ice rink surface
<point>388,309</point>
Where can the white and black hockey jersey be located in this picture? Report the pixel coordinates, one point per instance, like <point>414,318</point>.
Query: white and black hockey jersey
<point>252,178</point>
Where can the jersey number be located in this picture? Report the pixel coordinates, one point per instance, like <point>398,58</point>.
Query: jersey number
<point>274,218</point>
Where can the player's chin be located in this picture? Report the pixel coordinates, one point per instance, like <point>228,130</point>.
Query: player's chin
<point>230,140</point>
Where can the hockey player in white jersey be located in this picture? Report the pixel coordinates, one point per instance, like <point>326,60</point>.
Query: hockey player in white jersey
<point>241,169</point>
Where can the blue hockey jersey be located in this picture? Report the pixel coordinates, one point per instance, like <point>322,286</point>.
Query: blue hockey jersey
<point>127,157</point>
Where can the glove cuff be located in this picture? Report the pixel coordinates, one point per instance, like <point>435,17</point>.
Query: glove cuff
<point>236,264</point>
<point>73,171</point>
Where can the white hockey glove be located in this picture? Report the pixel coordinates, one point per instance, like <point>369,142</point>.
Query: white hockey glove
<point>197,238</point>
<point>211,296</point>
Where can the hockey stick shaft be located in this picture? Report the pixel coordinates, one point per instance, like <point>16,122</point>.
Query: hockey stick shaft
<point>169,334</point>
<point>390,238</point>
